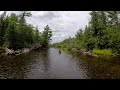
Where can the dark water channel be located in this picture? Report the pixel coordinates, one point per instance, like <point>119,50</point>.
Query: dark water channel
<point>52,64</point>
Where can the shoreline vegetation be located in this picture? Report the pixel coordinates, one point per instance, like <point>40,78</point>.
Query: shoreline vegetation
<point>101,37</point>
<point>94,54</point>
<point>17,36</point>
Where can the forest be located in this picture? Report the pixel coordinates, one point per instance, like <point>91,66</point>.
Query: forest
<point>101,36</point>
<point>27,51</point>
<point>16,33</point>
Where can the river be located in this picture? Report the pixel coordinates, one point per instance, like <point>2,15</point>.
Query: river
<point>50,64</point>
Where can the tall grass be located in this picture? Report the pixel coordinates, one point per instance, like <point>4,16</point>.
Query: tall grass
<point>102,52</point>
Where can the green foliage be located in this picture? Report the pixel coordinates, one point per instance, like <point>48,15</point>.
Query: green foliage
<point>46,35</point>
<point>102,33</point>
<point>15,33</point>
<point>3,26</point>
<point>102,52</point>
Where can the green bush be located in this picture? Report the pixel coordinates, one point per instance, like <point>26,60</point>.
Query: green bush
<point>102,52</point>
<point>116,52</point>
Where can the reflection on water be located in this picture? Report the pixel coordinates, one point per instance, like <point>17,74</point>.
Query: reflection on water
<point>41,64</point>
<point>100,68</point>
<point>50,64</point>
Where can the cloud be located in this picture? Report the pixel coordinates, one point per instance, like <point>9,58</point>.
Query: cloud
<point>45,15</point>
<point>1,12</point>
<point>62,23</point>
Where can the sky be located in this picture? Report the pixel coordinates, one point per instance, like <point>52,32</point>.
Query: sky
<point>62,23</point>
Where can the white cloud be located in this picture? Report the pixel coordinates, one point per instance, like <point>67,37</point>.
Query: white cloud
<point>62,23</point>
<point>1,12</point>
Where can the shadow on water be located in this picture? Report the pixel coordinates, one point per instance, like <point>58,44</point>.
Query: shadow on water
<point>100,68</point>
<point>54,64</point>
<point>24,66</point>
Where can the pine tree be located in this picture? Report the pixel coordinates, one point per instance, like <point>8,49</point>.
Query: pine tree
<point>3,26</point>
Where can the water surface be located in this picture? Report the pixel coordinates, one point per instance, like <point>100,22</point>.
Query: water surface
<point>50,64</point>
<point>42,64</point>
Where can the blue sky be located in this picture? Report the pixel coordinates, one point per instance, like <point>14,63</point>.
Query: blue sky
<point>62,23</point>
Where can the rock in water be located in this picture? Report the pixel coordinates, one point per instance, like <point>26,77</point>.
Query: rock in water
<point>17,52</point>
<point>8,51</point>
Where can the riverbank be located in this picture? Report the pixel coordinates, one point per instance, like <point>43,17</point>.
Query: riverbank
<point>88,54</point>
<point>7,51</point>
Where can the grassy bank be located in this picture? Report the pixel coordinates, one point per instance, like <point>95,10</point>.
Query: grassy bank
<point>94,52</point>
<point>102,52</point>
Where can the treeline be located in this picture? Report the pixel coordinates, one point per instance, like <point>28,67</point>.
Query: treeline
<point>101,33</point>
<point>15,33</point>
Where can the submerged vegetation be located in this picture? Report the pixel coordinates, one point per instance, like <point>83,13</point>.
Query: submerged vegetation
<point>101,35</point>
<point>15,33</point>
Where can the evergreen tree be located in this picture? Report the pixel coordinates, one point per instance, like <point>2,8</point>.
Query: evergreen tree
<point>3,26</point>
<point>47,33</point>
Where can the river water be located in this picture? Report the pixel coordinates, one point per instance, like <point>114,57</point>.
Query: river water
<point>50,64</point>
